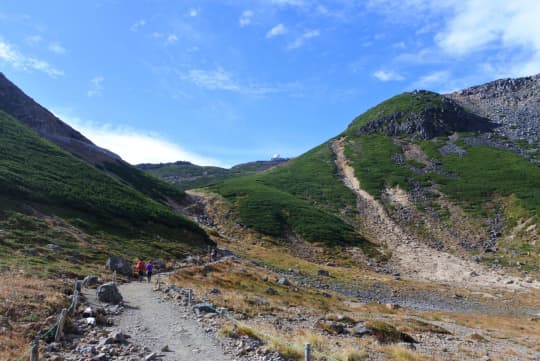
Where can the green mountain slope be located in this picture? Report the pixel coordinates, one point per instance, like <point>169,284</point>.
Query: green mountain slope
<point>39,180</point>
<point>305,197</point>
<point>471,183</point>
<point>185,175</point>
<point>16,103</point>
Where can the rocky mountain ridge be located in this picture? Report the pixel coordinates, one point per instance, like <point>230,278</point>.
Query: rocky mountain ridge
<point>16,103</point>
<point>514,104</point>
<point>442,117</point>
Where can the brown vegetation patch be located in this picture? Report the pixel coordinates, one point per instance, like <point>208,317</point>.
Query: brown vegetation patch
<point>27,303</point>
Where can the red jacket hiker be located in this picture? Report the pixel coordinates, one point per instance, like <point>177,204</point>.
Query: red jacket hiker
<point>141,266</point>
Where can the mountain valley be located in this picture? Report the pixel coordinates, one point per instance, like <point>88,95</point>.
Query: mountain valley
<point>423,213</point>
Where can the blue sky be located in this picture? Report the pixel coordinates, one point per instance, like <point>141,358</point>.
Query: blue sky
<point>225,82</point>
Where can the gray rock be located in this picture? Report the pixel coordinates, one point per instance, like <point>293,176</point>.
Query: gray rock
<point>261,301</point>
<point>204,308</point>
<point>118,337</point>
<point>100,357</point>
<point>159,265</point>
<point>283,281</point>
<point>359,330</point>
<point>105,341</point>
<point>90,281</point>
<point>152,356</point>
<point>271,291</point>
<point>52,347</point>
<point>91,321</point>
<point>54,247</point>
<point>88,312</point>
<point>408,345</point>
<point>109,293</point>
<point>322,272</point>
<point>4,322</point>
<point>119,265</point>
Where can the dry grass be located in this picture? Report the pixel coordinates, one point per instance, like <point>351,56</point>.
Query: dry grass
<point>27,302</point>
<point>399,353</point>
<point>410,325</point>
<point>520,329</point>
<point>243,290</point>
<point>353,354</point>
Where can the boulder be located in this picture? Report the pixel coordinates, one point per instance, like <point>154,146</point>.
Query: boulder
<point>283,281</point>
<point>333,328</point>
<point>90,281</point>
<point>108,292</point>
<point>322,272</point>
<point>88,312</point>
<point>159,265</point>
<point>54,247</point>
<point>204,308</point>
<point>359,330</point>
<point>119,265</point>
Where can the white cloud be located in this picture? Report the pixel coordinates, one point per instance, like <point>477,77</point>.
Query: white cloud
<point>464,29</point>
<point>509,25</point>
<point>16,59</point>
<point>57,48</point>
<point>390,75</point>
<point>171,39</point>
<point>136,146</point>
<point>96,86</point>
<point>246,18</point>
<point>193,12</point>
<point>277,30</point>
<point>137,25</point>
<point>220,79</point>
<point>289,2</point>
<point>34,40</point>
<point>212,79</point>
<point>437,78</point>
<point>302,39</point>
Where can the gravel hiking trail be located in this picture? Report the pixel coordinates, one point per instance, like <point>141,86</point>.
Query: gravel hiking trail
<point>410,256</point>
<point>154,323</point>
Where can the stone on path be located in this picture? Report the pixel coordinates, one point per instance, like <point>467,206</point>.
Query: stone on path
<point>120,265</point>
<point>109,293</point>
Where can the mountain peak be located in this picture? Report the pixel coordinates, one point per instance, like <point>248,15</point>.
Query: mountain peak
<point>19,105</point>
<point>420,113</point>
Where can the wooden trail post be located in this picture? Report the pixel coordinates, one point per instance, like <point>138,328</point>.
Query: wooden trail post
<point>74,301</point>
<point>60,325</point>
<point>114,277</point>
<point>307,354</point>
<point>190,296</point>
<point>34,353</point>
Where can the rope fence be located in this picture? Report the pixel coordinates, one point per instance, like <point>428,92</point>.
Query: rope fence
<point>57,329</point>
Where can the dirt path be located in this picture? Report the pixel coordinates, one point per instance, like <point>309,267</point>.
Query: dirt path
<point>154,323</point>
<point>410,257</point>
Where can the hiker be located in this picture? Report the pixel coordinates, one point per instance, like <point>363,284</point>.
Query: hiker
<point>141,266</point>
<point>213,254</point>
<point>149,269</point>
